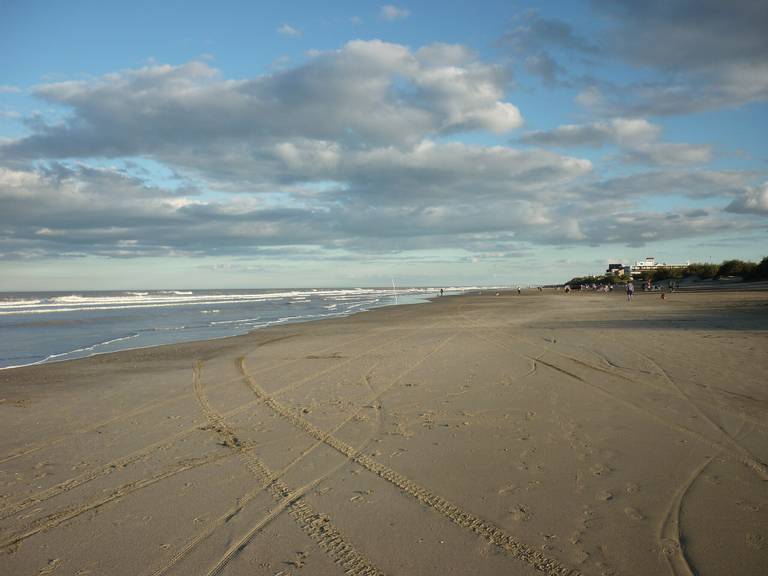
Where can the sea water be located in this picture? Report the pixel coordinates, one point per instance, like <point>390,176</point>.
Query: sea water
<point>38,327</point>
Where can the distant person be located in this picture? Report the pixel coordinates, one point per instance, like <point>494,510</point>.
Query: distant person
<point>630,291</point>
<point>519,291</point>
<point>441,291</point>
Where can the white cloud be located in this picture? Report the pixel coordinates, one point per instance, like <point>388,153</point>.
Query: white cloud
<point>664,154</point>
<point>636,137</point>
<point>7,89</point>
<point>664,183</point>
<point>752,201</point>
<point>590,97</point>
<point>286,30</point>
<point>367,93</point>
<point>352,150</point>
<point>621,131</point>
<point>391,12</point>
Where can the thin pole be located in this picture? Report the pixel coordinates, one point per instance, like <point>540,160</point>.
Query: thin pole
<point>393,289</point>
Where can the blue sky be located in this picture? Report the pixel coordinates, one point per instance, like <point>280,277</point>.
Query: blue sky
<point>186,144</point>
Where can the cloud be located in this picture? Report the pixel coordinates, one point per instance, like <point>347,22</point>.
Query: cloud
<point>535,37</point>
<point>637,138</point>
<point>665,183</point>
<point>388,201</point>
<point>636,228</point>
<point>368,93</point>
<point>546,68</point>
<point>752,201</point>
<point>286,30</point>
<point>537,33</point>
<point>368,199</point>
<point>711,54</point>
<point>6,89</point>
<point>681,93</point>
<point>616,131</point>
<point>687,35</point>
<point>665,154</point>
<point>352,152</point>
<point>390,12</point>
<point>695,55</point>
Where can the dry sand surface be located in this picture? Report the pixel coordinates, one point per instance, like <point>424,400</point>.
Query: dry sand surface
<point>535,434</point>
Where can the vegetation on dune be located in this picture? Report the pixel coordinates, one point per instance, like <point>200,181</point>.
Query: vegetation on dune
<point>760,271</point>
<point>747,271</point>
<point>705,271</point>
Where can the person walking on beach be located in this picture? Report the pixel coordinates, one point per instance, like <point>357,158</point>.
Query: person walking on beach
<point>441,291</point>
<point>630,290</point>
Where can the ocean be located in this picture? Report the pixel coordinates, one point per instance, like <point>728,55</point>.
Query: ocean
<point>37,327</point>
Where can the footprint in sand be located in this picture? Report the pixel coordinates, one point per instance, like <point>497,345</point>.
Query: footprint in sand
<point>631,488</point>
<point>51,567</point>
<point>581,556</point>
<point>747,506</point>
<point>508,489</point>
<point>599,469</point>
<point>633,513</point>
<point>755,541</point>
<point>604,496</point>
<point>520,513</point>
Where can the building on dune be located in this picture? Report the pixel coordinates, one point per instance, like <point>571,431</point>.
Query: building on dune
<point>640,266</point>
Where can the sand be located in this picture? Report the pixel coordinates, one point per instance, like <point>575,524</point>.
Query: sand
<point>535,434</point>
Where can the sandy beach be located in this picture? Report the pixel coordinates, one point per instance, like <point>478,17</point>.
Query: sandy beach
<point>536,434</point>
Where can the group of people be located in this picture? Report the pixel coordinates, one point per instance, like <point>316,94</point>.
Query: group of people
<point>629,288</point>
<point>673,286</point>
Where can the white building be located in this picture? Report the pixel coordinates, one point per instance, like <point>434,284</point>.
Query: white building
<point>650,264</point>
<point>647,265</point>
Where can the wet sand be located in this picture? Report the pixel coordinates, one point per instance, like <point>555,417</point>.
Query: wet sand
<point>535,434</point>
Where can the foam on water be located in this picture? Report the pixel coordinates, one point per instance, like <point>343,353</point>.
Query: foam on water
<point>46,327</point>
<point>166,298</point>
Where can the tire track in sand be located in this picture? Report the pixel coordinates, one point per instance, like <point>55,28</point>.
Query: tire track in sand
<point>108,467</point>
<point>243,501</point>
<point>315,525</point>
<point>319,353</point>
<point>485,529</point>
<point>668,535</point>
<point>742,455</point>
<point>310,377</point>
<point>57,518</point>
<point>59,439</point>
<point>112,465</point>
<point>146,407</point>
<point>681,391</point>
<point>669,532</point>
<point>618,371</point>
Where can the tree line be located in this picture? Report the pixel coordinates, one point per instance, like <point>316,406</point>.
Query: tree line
<point>746,270</point>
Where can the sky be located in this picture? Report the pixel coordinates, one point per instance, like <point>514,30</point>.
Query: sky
<point>188,144</point>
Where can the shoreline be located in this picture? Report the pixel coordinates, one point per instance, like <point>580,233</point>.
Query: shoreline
<point>483,434</point>
<point>280,322</point>
<point>689,290</point>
